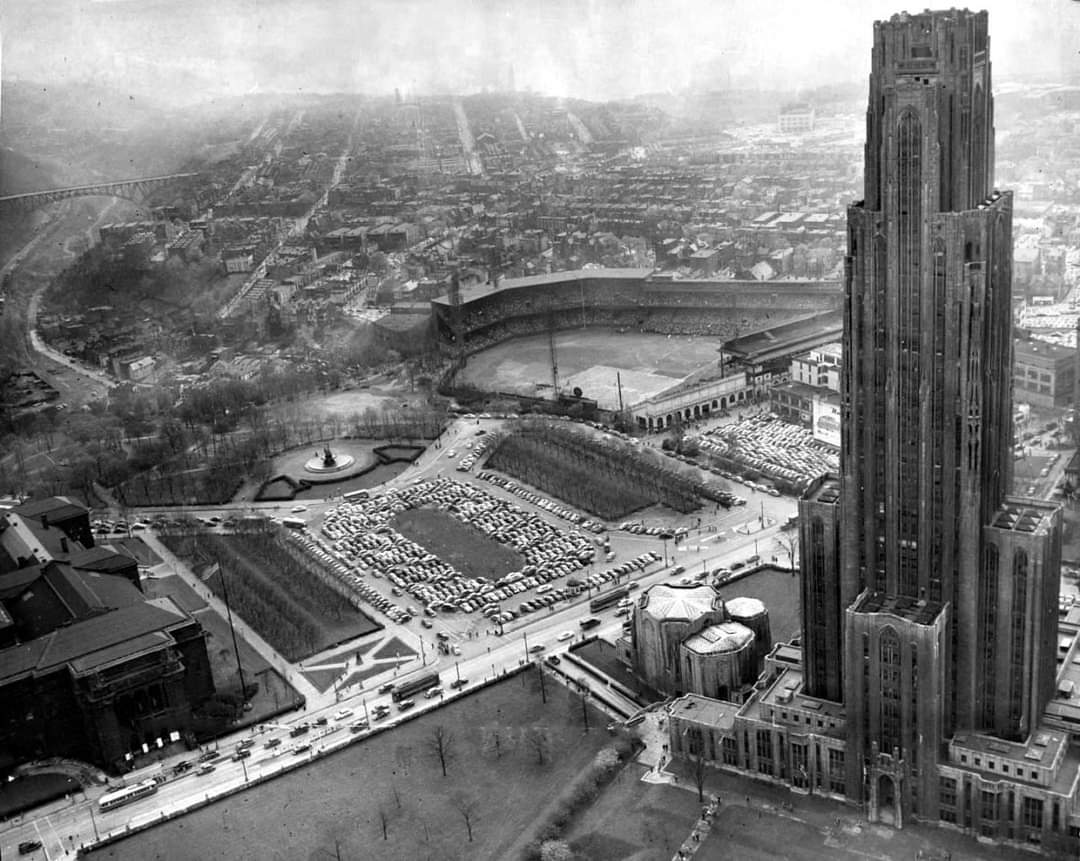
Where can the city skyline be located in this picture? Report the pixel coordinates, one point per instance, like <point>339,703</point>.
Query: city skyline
<point>600,50</point>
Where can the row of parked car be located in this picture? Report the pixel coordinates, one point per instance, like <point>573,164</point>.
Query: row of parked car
<point>638,527</point>
<point>363,538</point>
<point>348,575</point>
<point>608,575</point>
<point>476,450</point>
<point>549,505</point>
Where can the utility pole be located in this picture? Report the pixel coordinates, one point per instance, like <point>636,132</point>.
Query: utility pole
<point>232,629</point>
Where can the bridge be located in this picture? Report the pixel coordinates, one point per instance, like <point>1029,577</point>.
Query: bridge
<point>129,189</point>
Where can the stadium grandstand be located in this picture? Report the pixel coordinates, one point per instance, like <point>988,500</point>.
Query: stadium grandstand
<point>624,299</point>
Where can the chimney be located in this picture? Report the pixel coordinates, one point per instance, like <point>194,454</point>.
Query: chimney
<point>63,544</point>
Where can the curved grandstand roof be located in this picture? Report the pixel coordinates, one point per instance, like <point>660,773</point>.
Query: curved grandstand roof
<point>725,637</point>
<point>478,291</point>
<point>673,602</point>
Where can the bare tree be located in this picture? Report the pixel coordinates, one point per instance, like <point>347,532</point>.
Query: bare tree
<point>700,770</point>
<point>467,806</point>
<point>494,740</point>
<point>789,543</point>
<point>441,746</point>
<point>538,738</point>
<point>384,820</point>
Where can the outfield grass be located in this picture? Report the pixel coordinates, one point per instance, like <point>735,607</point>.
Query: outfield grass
<point>458,544</point>
<point>337,803</point>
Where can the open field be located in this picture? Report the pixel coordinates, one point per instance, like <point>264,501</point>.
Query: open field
<point>467,550</point>
<point>339,803</point>
<point>590,358</point>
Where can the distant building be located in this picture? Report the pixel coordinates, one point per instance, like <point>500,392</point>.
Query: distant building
<point>796,118</point>
<point>1043,373</point>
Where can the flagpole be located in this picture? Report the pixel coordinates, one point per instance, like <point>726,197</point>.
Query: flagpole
<point>236,648</point>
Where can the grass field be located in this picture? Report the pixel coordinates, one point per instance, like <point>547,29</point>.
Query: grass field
<point>456,543</point>
<point>631,819</point>
<point>339,803</point>
<point>590,358</point>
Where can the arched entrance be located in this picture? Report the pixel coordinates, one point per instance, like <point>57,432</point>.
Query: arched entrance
<point>888,801</point>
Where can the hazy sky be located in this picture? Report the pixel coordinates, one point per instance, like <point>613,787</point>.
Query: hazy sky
<point>194,49</point>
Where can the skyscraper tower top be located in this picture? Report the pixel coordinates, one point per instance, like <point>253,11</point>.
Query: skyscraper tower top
<point>934,67</point>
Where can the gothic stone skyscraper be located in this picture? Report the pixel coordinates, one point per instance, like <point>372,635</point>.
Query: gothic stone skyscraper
<point>944,586</point>
<point>929,646</point>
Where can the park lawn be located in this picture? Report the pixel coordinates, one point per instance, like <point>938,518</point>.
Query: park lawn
<point>30,790</point>
<point>458,544</point>
<point>634,820</point>
<point>337,803</point>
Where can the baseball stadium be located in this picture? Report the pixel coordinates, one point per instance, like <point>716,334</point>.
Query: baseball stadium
<point>633,341</point>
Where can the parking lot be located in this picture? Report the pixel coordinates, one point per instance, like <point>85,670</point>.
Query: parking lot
<point>772,447</point>
<point>362,537</point>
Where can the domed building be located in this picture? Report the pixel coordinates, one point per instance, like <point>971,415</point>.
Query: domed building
<point>664,616</point>
<point>720,660</point>
<point>752,613</point>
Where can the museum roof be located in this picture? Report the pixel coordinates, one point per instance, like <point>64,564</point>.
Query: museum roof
<point>57,508</point>
<point>125,627</point>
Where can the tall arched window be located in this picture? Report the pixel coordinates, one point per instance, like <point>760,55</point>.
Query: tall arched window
<point>987,631</point>
<point>889,681</point>
<point>1019,630</point>
<point>980,182</point>
<point>909,224</point>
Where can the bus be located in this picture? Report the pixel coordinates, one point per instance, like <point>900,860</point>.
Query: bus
<point>293,522</point>
<point>128,794</point>
<point>608,599</point>
<point>414,686</point>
